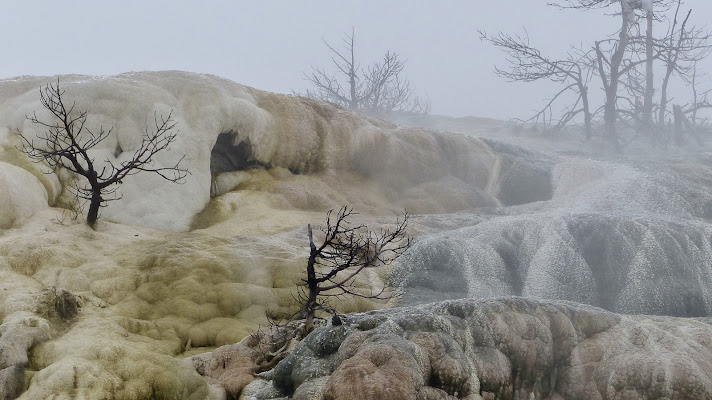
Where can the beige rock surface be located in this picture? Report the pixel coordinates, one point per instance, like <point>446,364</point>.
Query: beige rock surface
<point>151,297</point>
<point>175,271</point>
<point>397,166</point>
<point>21,195</point>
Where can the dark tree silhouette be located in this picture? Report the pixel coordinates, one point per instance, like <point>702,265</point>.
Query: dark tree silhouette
<point>67,141</point>
<point>625,64</point>
<point>526,63</point>
<point>378,89</point>
<point>682,50</point>
<point>345,252</point>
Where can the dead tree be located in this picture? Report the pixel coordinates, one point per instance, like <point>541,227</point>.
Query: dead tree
<point>681,51</point>
<point>529,64</point>
<point>671,56</point>
<point>651,11</point>
<point>681,119</point>
<point>345,252</point>
<point>687,116</point>
<point>647,116</point>
<point>700,98</point>
<point>67,141</point>
<point>378,89</point>
<point>611,79</point>
<point>628,89</point>
<point>611,55</point>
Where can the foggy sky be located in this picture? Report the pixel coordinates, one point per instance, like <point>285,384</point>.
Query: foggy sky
<point>269,44</point>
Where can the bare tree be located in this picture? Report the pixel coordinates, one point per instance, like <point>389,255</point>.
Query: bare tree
<point>608,60</point>
<point>529,64</point>
<point>628,88</point>
<point>646,43</point>
<point>345,252</point>
<point>611,76</point>
<point>617,60</point>
<point>681,51</point>
<point>67,141</point>
<point>687,116</point>
<point>700,98</point>
<point>649,58</point>
<point>378,89</point>
<point>611,58</point>
<point>671,56</point>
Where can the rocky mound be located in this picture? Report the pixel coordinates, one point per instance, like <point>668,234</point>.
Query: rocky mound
<point>262,166</point>
<point>499,349</point>
<point>228,133</point>
<point>630,236</point>
<point>177,270</point>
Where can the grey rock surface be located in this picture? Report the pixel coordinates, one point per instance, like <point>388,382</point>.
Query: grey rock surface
<point>512,348</point>
<point>629,235</point>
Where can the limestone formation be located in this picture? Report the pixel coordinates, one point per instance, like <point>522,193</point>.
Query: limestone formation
<point>21,195</point>
<point>174,273</point>
<point>498,349</point>
<point>632,237</point>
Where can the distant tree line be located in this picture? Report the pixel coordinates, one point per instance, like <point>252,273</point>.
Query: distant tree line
<point>654,36</point>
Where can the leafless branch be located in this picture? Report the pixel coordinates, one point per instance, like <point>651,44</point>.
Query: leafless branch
<point>526,63</point>
<point>345,252</point>
<point>67,140</point>
<point>377,89</point>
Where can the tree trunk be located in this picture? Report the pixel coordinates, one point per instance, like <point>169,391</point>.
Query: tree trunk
<point>310,306</point>
<point>678,114</point>
<point>587,117</point>
<point>94,204</point>
<point>311,313</point>
<point>663,96</point>
<point>649,84</point>
<point>672,57</point>
<point>610,115</point>
<point>610,111</point>
<point>353,103</point>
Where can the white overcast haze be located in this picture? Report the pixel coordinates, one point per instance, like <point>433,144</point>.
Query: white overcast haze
<point>269,44</point>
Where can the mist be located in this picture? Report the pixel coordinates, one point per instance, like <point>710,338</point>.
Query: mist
<point>269,45</point>
<point>192,208</point>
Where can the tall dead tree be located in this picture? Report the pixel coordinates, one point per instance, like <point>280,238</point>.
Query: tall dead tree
<point>67,142</point>
<point>686,117</point>
<point>671,55</point>
<point>613,56</point>
<point>526,63</point>
<point>345,252</point>
<point>377,89</point>
<point>611,79</point>
<point>700,98</point>
<point>682,49</point>
<point>625,63</point>
<point>647,7</point>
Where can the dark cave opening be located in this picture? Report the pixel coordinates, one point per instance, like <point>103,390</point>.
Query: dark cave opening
<point>226,156</point>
